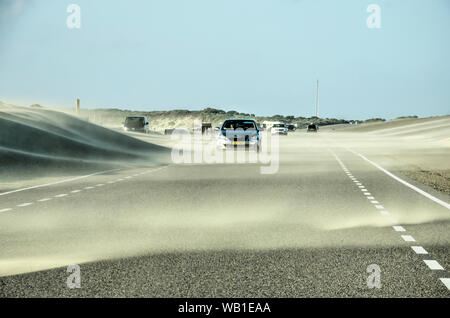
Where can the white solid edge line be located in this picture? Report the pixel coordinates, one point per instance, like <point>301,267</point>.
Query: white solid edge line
<point>58,182</point>
<point>24,204</point>
<point>425,194</point>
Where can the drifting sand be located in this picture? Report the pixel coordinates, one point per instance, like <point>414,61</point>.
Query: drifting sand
<point>40,142</point>
<point>418,148</point>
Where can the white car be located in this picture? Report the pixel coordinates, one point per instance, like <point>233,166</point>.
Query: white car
<point>280,129</point>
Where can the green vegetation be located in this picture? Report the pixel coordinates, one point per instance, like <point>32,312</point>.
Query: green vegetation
<point>182,118</point>
<point>372,120</point>
<point>407,117</point>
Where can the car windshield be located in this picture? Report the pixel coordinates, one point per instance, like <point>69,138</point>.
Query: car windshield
<point>238,124</point>
<point>134,122</point>
<point>278,125</point>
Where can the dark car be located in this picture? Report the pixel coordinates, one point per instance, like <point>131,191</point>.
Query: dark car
<point>312,128</point>
<point>239,132</point>
<point>291,127</point>
<point>136,123</point>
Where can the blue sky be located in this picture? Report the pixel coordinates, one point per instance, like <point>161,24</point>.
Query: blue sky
<point>254,56</point>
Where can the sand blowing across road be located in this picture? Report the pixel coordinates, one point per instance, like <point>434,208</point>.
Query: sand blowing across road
<point>226,222</point>
<point>39,142</point>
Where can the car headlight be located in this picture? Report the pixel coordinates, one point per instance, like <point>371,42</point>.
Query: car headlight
<point>222,139</point>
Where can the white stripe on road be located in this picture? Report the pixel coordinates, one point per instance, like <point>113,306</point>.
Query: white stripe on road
<point>425,194</point>
<point>89,188</point>
<point>419,250</point>
<point>45,199</point>
<point>408,238</point>
<point>60,195</point>
<point>25,204</point>
<point>58,182</point>
<point>379,206</point>
<point>432,264</point>
<point>384,212</point>
<point>75,191</point>
<point>399,228</point>
<point>446,282</point>
<point>5,210</point>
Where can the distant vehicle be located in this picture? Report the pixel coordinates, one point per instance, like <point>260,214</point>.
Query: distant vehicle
<point>206,127</point>
<point>291,127</point>
<point>239,132</point>
<point>312,128</point>
<point>279,128</point>
<point>136,123</point>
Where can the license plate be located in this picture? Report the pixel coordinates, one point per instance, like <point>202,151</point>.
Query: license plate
<point>238,143</point>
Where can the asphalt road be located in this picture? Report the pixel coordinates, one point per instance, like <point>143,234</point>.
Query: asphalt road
<point>226,230</point>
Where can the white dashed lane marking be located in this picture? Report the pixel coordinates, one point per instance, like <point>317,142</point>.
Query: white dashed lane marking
<point>24,204</point>
<point>408,238</point>
<point>425,194</point>
<point>73,191</point>
<point>58,182</point>
<point>419,250</point>
<point>446,282</point>
<point>433,265</point>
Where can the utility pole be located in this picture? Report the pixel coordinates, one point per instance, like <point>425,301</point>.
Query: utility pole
<point>317,99</point>
<point>78,106</point>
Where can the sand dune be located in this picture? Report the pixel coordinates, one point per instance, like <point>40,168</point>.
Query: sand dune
<point>38,138</point>
<point>427,129</point>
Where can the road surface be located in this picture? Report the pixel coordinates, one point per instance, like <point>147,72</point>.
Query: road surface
<point>226,230</point>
